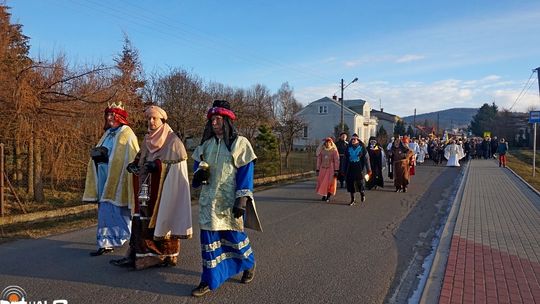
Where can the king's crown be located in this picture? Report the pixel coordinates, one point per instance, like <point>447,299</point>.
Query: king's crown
<point>115,105</point>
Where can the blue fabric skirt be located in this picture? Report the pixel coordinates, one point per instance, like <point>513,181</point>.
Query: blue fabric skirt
<point>114,225</point>
<point>224,255</point>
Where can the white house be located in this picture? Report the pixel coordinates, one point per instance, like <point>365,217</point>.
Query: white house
<point>323,115</point>
<point>386,120</point>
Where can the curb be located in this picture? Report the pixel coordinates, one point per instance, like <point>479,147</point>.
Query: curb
<point>44,215</point>
<point>524,181</point>
<point>432,288</point>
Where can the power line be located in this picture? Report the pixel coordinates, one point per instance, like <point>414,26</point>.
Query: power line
<point>521,94</point>
<point>196,38</point>
<point>207,42</point>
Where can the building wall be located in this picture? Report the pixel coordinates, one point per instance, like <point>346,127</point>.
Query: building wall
<point>321,125</point>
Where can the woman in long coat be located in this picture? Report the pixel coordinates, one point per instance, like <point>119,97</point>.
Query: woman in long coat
<point>377,161</point>
<point>401,157</point>
<point>328,169</point>
<point>357,158</point>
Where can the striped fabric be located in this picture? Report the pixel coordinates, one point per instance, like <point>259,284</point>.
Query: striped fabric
<point>224,254</point>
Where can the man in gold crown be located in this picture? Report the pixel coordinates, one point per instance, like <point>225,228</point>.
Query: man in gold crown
<point>107,182</point>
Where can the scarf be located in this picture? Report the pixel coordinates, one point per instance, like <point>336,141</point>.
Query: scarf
<point>155,139</point>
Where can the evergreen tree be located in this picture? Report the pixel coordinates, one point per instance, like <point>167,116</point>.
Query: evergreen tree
<point>337,130</point>
<point>410,131</point>
<point>484,120</point>
<point>129,84</point>
<point>399,128</point>
<point>267,150</point>
<point>15,90</point>
<point>382,136</point>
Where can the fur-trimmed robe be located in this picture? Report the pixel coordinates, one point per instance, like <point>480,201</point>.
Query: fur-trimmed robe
<point>118,188</point>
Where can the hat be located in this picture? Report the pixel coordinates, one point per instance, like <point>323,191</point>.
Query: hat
<point>155,111</point>
<point>222,108</point>
<point>121,114</point>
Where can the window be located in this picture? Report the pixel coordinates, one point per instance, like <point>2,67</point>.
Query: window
<point>323,109</point>
<point>305,132</point>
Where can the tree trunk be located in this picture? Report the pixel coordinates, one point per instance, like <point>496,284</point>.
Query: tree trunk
<point>39,196</point>
<point>30,167</point>
<point>287,153</point>
<point>280,158</point>
<point>17,159</point>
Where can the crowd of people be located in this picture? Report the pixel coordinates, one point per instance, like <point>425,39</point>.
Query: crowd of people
<point>360,167</point>
<point>143,194</point>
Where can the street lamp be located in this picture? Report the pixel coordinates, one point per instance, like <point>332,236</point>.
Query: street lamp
<point>343,88</point>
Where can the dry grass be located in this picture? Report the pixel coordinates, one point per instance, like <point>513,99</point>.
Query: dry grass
<point>34,230</point>
<point>520,160</point>
<point>300,162</point>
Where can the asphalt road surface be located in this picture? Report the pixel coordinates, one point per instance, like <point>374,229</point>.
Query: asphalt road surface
<point>310,252</point>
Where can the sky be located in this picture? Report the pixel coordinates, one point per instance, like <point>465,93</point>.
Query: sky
<point>424,55</point>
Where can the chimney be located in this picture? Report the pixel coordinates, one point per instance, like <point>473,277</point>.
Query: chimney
<point>382,109</point>
<point>334,97</point>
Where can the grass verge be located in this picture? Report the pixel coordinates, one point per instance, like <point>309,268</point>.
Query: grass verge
<point>521,162</point>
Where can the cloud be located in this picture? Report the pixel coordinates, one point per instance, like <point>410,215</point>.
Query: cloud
<point>402,98</point>
<point>409,58</point>
<point>383,59</point>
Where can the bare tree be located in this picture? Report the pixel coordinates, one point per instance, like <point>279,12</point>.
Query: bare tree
<point>180,94</point>
<point>255,111</point>
<point>289,126</point>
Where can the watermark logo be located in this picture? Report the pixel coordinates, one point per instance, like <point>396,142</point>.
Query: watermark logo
<point>13,294</point>
<point>16,295</point>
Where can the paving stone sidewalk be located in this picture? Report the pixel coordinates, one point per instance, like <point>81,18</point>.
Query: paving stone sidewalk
<point>494,255</point>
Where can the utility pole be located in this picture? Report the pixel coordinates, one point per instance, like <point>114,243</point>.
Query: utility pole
<point>437,124</point>
<point>341,123</point>
<point>342,89</point>
<point>414,123</point>
<point>534,142</point>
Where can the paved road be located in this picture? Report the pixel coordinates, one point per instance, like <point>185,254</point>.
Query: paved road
<point>310,252</point>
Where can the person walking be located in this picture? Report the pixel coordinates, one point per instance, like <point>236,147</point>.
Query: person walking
<point>342,145</point>
<point>377,161</point>
<point>106,182</point>
<point>226,200</point>
<point>453,153</point>
<point>357,159</point>
<point>401,157</point>
<point>162,214</point>
<point>502,148</point>
<point>327,169</point>
<point>422,152</point>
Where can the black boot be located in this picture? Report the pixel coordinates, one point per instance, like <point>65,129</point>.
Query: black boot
<point>101,251</point>
<point>328,197</point>
<point>200,290</point>
<point>248,275</point>
<point>353,202</point>
<point>362,196</point>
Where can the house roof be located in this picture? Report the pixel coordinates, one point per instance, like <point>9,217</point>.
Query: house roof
<point>355,103</point>
<point>337,103</point>
<point>384,116</point>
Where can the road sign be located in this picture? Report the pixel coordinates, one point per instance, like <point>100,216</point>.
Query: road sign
<point>534,116</point>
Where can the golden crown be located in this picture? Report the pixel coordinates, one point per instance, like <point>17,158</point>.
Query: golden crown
<point>115,105</point>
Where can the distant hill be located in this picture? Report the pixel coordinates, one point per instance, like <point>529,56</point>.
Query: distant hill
<point>448,119</point>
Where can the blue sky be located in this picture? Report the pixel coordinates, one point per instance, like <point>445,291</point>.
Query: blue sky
<point>428,55</point>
